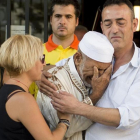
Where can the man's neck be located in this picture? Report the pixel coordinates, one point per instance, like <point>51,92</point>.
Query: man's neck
<point>122,57</point>
<point>64,41</point>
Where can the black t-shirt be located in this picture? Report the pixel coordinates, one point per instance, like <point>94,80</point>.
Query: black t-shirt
<point>9,129</point>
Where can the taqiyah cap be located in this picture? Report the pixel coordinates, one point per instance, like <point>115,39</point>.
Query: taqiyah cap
<point>96,46</point>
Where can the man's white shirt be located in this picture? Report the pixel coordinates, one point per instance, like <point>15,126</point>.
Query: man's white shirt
<point>122,93</point>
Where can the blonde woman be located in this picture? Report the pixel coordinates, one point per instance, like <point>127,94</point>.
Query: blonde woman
<point>20,117</point>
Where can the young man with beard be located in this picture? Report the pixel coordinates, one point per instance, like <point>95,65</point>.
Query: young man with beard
<point>62,43</point>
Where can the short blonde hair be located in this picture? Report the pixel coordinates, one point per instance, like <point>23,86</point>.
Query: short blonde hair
<point>19,53</point>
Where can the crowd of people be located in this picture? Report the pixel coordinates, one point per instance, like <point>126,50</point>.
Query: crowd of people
<point>73,87</point>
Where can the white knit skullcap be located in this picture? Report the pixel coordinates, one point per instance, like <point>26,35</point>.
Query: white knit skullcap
<point>97,47</point>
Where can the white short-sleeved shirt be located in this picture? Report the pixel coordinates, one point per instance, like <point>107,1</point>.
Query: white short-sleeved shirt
<point>123,93</point>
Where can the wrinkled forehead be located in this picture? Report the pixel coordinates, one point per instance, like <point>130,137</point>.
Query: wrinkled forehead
<point>116,12</point>
<point>100,65</point>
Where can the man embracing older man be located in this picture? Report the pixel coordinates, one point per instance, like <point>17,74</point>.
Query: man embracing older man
<point>76,77</point>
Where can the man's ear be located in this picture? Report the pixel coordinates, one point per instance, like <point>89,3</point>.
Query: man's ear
<point>77,21</point>
<point>101,25</point>
<point>77,58</point>
<point>135,24</point>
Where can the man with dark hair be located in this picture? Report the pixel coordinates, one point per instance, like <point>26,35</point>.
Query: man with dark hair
<point>66,3</point>
<point>117,113</point>
<point>62,43</point>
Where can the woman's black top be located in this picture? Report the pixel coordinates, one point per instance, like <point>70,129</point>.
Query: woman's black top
<point>10,129</point>
<point>1,76</point>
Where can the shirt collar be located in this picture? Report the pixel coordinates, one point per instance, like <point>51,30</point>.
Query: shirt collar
<point>50,45</point>
<point>134,60</point>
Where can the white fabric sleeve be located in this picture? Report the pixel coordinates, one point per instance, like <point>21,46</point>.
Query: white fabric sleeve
<point>130,109</point>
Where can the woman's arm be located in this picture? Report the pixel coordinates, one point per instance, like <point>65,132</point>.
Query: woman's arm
<point>23,108</point>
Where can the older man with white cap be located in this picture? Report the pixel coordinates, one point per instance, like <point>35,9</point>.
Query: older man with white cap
<point>76,77</point>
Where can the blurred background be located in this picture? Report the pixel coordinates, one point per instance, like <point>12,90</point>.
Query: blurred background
<point>32,17</point>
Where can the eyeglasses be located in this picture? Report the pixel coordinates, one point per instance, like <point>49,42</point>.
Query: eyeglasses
<point>42,59</point>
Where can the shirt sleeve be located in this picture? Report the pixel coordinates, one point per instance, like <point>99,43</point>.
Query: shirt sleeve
<point>130,109</point>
